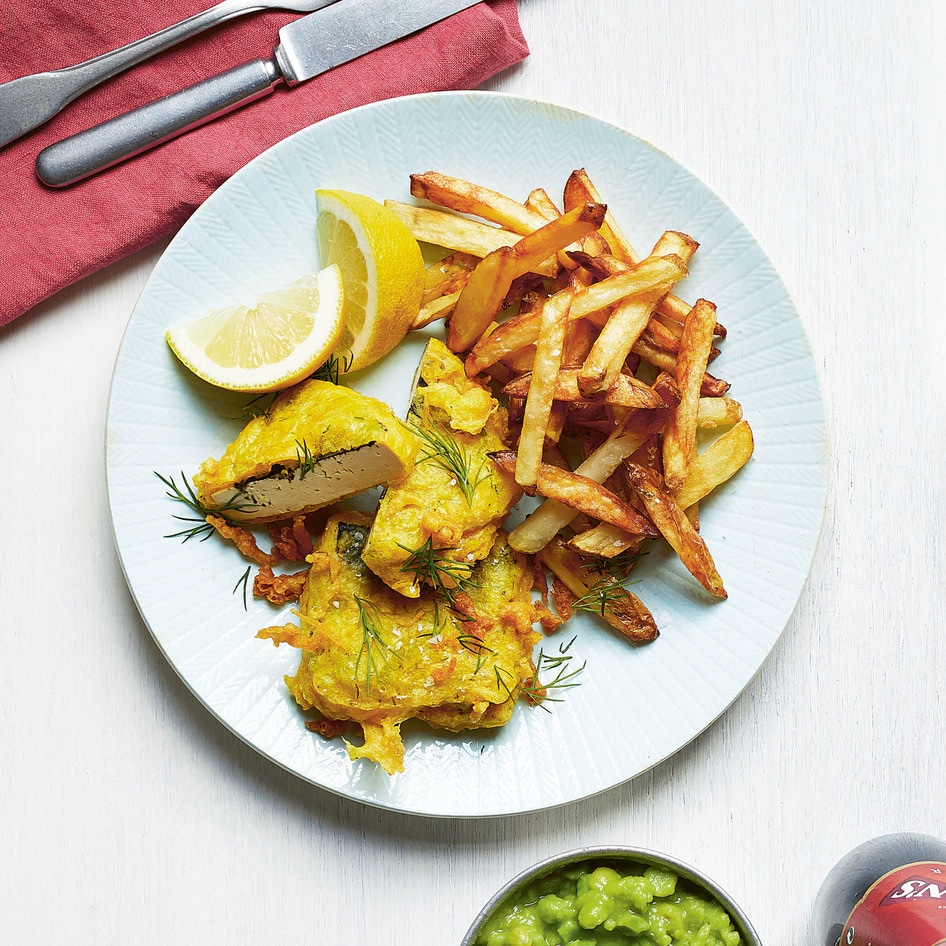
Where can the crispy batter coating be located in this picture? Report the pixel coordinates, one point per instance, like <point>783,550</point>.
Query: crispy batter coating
<point>244,540</point>
<point>279,589</point>
<point>378,658</point>
<point>459,513</point>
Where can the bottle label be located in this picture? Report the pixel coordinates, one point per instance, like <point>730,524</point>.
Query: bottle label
<point>906,907</point>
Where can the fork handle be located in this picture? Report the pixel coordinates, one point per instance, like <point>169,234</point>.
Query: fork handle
<point>30,101</point>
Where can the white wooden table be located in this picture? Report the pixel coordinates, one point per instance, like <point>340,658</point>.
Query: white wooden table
<point>128,814</point>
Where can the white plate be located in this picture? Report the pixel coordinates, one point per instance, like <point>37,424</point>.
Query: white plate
<point>635,706</point>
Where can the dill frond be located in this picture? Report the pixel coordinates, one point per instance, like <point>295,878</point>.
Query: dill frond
<point>244,581</point>
<point>432,567</point>
<point>446,451</point>
<point>618,567</point>
<point>602,596</point>
<point>332,369</point>
<point>476,646</point>
<point>202,529</point>
<point>372,641</point>
<point>307,462</point>
<point>537,690</point>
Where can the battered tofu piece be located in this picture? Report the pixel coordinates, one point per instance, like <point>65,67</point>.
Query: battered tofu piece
<point>318,443</point>
<point>377,658</point>
<point>455,496</point>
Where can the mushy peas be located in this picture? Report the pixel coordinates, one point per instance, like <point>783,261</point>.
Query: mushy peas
<point>600,905</point>
<point>377,658</point>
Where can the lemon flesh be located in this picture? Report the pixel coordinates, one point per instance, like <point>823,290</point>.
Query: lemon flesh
<point>382,270</point>
<point>285,336</point>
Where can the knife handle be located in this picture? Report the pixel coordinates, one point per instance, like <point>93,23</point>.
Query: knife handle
<point>117,139</point>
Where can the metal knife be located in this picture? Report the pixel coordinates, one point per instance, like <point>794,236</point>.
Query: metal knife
<point>308,47</point>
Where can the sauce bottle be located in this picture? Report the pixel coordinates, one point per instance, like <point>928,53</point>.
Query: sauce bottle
<point>890,891</point>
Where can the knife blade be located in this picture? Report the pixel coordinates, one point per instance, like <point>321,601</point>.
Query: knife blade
<point>308,47</point>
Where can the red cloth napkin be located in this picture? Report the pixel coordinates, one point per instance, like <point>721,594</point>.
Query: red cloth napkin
<point>50,238</point>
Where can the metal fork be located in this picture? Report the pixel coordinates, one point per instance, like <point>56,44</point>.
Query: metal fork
<point>28,102</point>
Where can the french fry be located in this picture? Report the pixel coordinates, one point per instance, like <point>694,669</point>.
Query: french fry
<point>674,309</point>
<point>581,494</point>
<point>520,362</point>
<point>626,391</point>
<point>606,358</point>
<point>675,243</point>
<point>538,528</point>
<point>578,341</point>
<point>718,412</point>
<point>540,202</point>
<point>579,189</point>
<point>604,541</point>
<point>447,276</point>
<point>600,266</point>
<point>653,273</point>
<point>658,336</point>
<point>673,524</point>
<point>656,273</point>
<point>479,305</point>
<point>720,461</point>
<point>557,234</point>
<point>481,298</point>
<point>548,359</point>
<point>525,287</point>
<point>468,198</point>
<point>622,609</point>
<point>555,427</point>
<point>679,440</point>
<point>710,386</point>
<point>459,233</point>
<point>440,308</point>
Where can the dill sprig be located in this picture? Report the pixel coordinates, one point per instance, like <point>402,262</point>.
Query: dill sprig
<point>432,567</point>
<point>372,641</point>
<point>189,498</point>
<point>333,368</point>
<point>307,462</point>
<point>535,689</point>
<point>259,404</point>
<point>618,566</point>
<point>244,582</point>
<point>602,596</point>
<point>444,449</point>
<point>476,646</point>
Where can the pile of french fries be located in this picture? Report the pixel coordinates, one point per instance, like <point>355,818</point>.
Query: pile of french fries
<point>617,424</point>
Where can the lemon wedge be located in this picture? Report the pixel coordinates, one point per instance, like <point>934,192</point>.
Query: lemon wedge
<point>382,269</point>
<point>283,338</point>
